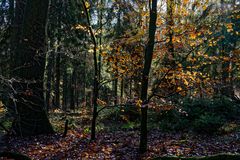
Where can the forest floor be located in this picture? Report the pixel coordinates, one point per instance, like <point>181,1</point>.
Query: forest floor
<point>118,143</point>
<point>123,145</point>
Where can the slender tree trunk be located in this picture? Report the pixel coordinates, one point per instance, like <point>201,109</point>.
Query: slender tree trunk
<point>72,95</point>
<point>57,82</point>
<point>116,91</point>
<point>77,92</point>
<point>145,76</point>
<point>122,88</point>
<point>226,86</point>
<point>49,69</point>
<point>82,81</point>
<point>76,88</point>
<point>170,24</point>
<point>53,81</point>
<point>65,87</point>
<point>100,42</point>
<point>29,72</point>
<point>11,13</point>
<point>116,62</point>
<point>58,53</point>
<point>130,88</point>
<point>95,79</point>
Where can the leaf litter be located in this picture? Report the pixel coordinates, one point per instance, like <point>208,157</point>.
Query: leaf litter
<point>123,145</point>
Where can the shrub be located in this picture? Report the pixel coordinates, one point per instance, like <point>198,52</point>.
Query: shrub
<point>195,107</point>
<point>173,120</point>
<point>225,107</point>
<point>130,113</point>
<point>208,123</point>
<point>207,115</point>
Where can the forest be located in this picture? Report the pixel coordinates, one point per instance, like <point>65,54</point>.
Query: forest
<point>120,79</point>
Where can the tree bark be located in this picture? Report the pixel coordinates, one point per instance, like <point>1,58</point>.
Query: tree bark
<point>31,117</point>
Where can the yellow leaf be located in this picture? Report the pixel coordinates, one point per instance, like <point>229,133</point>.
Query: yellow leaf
<point>192,44</point>
<point>179,89</point>
<point>139,103</point>
<point>193,36</point>
<point>192,78</point>
<point>185,82</point>
<point>87,4</point>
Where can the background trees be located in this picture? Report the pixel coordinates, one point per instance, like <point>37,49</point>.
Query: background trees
<point>100,53</point>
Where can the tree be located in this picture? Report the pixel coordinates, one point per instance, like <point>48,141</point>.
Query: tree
<point>145,75</point>
<point>29,56</point>
<point>96,72</point>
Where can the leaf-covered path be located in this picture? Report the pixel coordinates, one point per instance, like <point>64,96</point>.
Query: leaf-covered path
<point>123,145</point>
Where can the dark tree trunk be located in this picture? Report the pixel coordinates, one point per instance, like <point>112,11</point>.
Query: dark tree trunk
<point>226,85</point>
<point>59,5</point>
<point>82,81</point>
<point>17,28</point>
<point>72,95</point>
<point>57,83</point>
<point>49,69</point>
<point>65,88</point>
<point>122,88</point>
<point>145,76</point>
<point>170,24</point>
<point>76,87</point>
<point>11,12</point>
<point>29,71</point>
<point>95,79</point>
<point>76,93</point>
<point>115,91</point>
<point>2,15</point>
<point>130,88</point>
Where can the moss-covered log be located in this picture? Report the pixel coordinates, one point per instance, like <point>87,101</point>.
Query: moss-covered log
<point>15,156</point>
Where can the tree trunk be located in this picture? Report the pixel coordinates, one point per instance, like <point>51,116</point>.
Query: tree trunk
<point>2,15</point>
<point>95,79</point>
<point>170,24</point>
<point>49,69</point>
<point>145,76</point>
<point>115,91</point>
<point>72,95</point>
<point>57,82</point>
<point>29,72</point>
<point>59,4</point>
<point>17,28</point>
<point>65,87</point>
<point>130,88</point>
<point>122,88</point>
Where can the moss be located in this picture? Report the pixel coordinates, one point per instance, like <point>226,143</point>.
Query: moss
<point>214,157</point>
